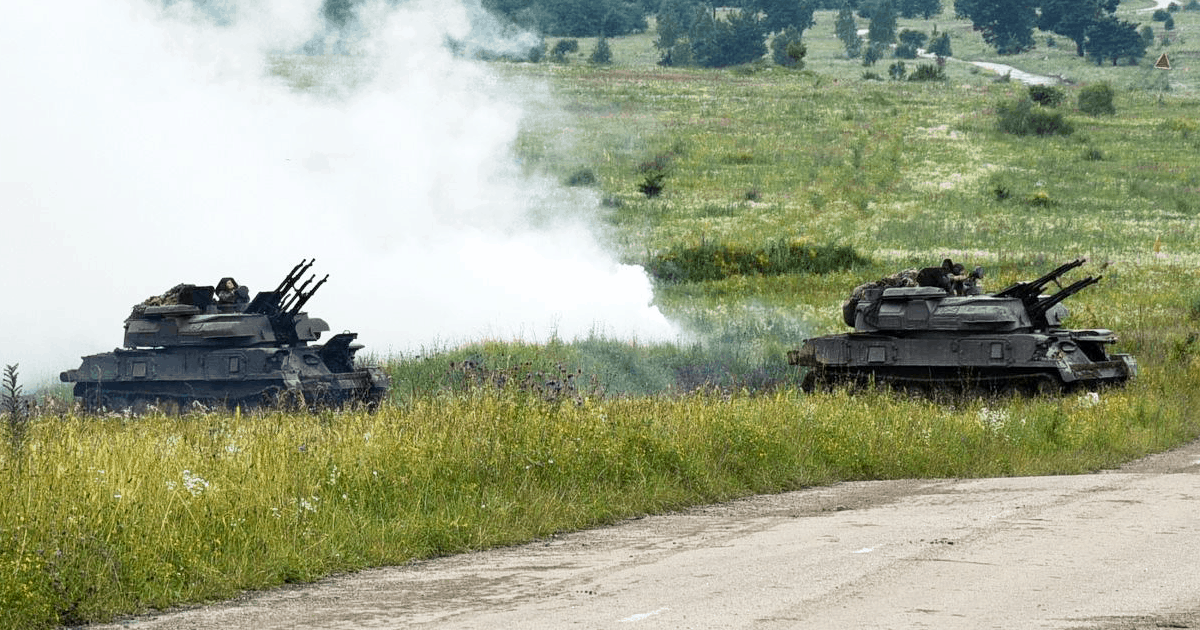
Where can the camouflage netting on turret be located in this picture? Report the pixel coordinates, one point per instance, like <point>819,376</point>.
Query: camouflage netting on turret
<point>174,295</point>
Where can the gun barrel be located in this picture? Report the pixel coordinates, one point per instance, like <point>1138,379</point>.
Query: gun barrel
<point>1054,275</point>
<point>1030,290</point>
<point>1043,305</point>
<point>294,275</point>
<point>286,305</point>
<point>304,297</point>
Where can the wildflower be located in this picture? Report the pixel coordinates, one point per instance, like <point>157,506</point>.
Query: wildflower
<point>1089,399</point>
<point>994,419</point>
<point>307,505</point>
<point>194,484</point>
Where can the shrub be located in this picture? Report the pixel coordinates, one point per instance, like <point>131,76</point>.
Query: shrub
<point>871,76</point>
<point>999,187</point>
<point>914,39</point>
<point>928,72</point>
<point>940,45</point>
<point>537,52</point>
<point>897,71</point>
<point>1021,119</point>
<point>787,50</point>
<point>1160,15</point>
<point>1097,99</point>
<point>716,261</point>
<point>1040,199</point>
<point>582,177</point>
<point>1046,95</point>
<point>563,48</point>
<point>652,184</point>
<point>873,53</point>
<point>602,54</point>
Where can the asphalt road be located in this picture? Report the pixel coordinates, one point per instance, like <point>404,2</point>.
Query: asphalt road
<point>1116,549</point>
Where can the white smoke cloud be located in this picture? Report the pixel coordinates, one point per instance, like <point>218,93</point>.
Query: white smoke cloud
<point>143,146</point>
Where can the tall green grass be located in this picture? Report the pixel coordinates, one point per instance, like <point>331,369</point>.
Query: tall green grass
<point>118,515</point>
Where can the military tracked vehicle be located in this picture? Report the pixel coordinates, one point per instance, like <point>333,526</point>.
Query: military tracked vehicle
<point>216,346</point>
<point>928,338</point>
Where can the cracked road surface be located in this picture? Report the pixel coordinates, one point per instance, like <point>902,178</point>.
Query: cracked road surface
<point>1115,549</point>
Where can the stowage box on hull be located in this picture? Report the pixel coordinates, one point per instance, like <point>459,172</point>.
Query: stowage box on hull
<point>215,346</point>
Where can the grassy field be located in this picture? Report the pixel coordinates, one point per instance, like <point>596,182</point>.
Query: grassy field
<point>496,443</point>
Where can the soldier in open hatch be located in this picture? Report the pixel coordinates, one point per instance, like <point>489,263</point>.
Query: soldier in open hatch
<point>950,276</point>
<point>230,292</point>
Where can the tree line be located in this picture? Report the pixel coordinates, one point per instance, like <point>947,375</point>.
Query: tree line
<point>1007,25</point>
<point>695,32</point>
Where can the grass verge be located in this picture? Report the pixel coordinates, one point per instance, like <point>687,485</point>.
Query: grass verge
<point>121,515</point>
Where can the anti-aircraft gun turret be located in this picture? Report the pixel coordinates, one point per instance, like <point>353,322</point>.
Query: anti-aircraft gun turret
<point>921,337</point>
<point>214,345</point>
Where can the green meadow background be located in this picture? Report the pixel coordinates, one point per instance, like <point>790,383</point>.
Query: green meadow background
<point>780,190</point>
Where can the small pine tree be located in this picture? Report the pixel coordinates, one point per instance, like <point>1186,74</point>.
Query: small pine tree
<point>882,29</point>
<point>940,45</point>
<point>787,50</point>
<point>873,53</point>
<point>602,54</point>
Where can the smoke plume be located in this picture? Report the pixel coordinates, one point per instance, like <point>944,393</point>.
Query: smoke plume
<point>146,145</point>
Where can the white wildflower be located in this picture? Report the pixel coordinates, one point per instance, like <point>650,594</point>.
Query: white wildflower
<point>994,419</point>
<point>309,504</point>
<point>195,484</point>
<point>1089,399</point>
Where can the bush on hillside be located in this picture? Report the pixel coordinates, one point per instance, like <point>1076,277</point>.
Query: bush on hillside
<point>1097,99</point>
<point>717,261</point>
<point>1022,119</point>
<point>1046,95</point>
<point>928,72</point>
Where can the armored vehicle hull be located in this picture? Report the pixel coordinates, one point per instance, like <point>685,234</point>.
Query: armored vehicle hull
<point>1028,362</point>
<point>926,337</point>
<point>215,346</point>
<point>242,377</point>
